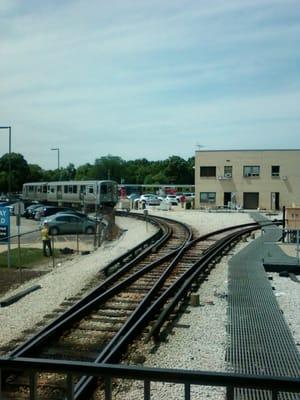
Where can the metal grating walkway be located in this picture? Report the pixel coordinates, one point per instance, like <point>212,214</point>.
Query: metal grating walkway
<point>260,342</point>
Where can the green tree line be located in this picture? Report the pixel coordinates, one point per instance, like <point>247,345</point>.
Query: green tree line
<point>174,170</point>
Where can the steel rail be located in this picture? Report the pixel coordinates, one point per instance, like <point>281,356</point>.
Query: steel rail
<point>192,274</point>
<point>99,295</point>
<point>155,246</point>
<point>147,300</point>
<point>145,311</point>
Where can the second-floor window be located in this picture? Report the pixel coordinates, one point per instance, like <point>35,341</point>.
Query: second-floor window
<point>228,171</point>
<point>251,170</point>
<point>207,171</point>
<point>275,170</point>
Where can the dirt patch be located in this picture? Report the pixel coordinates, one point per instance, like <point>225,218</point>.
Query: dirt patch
<point>12,278</point>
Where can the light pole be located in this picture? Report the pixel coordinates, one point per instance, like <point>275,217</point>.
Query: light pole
<point>58,160</point>
<point>9,159</point>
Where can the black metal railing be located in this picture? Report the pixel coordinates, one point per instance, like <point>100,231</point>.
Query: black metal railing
<point>187,378</point>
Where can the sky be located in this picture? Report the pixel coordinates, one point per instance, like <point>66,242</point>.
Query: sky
<point>147,79</point>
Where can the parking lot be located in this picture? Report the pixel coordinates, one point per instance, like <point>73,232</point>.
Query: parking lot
<point>30,237</point>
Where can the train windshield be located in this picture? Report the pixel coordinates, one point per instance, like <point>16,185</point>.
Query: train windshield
<point>104,188</point>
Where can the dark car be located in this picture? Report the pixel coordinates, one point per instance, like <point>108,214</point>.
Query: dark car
<point>29,212</point>
<point>46,211</point>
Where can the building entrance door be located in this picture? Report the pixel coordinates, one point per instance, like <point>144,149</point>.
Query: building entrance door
<point>251,200</point>
<point>227,198</point>
<point>275,204</point>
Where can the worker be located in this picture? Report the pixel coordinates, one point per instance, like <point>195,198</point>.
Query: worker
<point>182,200</point>
<point>46,240</point>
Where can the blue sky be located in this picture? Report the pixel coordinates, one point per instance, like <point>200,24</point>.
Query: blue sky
<point>148,79</point>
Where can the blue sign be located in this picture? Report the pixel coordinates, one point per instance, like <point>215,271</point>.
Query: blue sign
<point>4,224</point>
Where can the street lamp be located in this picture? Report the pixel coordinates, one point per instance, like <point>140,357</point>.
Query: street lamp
<point>9,159</point>
<point>58,163</point>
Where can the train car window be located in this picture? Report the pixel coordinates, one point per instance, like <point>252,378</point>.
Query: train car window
<point>91,189</point>
<point>52,189</point>
<point>58,188</point>
<point>82,189</point>
<point>45,189</point>
<point>65,189</point>
<point>103,188</point>
<point>74,189</point>
<point>70,188</point>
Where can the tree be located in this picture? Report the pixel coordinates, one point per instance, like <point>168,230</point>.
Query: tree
<point>68,173</point>
<point>177,170</point>
<point>108,167</point>
<point>36,173</point>
<point>84,172</point>
<point>19,172</point>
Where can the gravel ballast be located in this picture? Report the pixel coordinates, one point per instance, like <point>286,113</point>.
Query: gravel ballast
<point>199,339</point>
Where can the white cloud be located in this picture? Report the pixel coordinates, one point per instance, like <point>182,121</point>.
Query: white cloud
<point>146,71</point>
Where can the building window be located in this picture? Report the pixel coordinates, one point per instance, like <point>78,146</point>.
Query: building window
<point>228,171</point>
<point>275,170</point>
<point>207,171</point>
<point>251,170</point>
<point>207,197</point>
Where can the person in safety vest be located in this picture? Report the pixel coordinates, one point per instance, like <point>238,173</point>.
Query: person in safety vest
<point>46,240</point>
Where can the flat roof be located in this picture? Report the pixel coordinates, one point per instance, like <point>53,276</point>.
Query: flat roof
<point>239,150</point>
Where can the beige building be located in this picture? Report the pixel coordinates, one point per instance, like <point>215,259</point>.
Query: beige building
<point>250,179</point>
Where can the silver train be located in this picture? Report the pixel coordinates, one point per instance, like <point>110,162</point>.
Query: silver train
<point>100,193</point>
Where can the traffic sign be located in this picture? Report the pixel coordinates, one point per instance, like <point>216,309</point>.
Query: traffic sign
<point>4,224</point>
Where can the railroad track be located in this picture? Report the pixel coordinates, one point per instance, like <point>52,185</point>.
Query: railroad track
<point>100,327</point>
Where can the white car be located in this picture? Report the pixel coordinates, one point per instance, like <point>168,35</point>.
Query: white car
<point>171,198</point>
<point>189,196</point>
<point>146,196</point>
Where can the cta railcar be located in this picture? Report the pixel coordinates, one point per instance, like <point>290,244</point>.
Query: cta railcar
<point>102,193</point>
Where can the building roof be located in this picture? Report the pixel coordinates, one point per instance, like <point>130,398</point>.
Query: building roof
<point>239,150</point>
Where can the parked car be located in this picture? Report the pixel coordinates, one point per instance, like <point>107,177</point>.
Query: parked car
<point>64,223</point>
<point>32,212</point>
<point>147,199</point>
<point>28,212</point>
<point>133,196</point>
<point>46,211</point>
<point>171,198</point>
<point>153,201</point>
<point>145,196</point>
<point>189,196</point>
<point>73,212</point>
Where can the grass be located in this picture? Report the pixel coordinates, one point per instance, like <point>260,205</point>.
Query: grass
<point>29,257</point>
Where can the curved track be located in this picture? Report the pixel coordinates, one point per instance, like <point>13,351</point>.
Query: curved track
<point>99,328</point>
